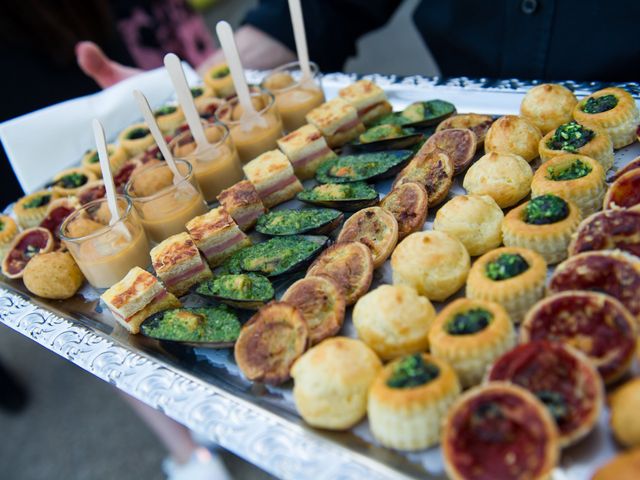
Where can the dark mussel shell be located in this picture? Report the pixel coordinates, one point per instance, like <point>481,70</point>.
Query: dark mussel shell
<point>252,290</point>
<point>194,327</point>
<point>420,114</point>
<point>312,221</point>
<point>404,142</point>
<point>370,166</point>
<point>347,197</point>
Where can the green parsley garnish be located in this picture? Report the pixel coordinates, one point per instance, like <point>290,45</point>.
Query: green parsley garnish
<point>137,133</point>
<point>220,73</point>
<point>507,265</point>
<point>600,104</point>
<point>570,137</point>
<point>165,110</point>
<point>577,169</point>
<point>412,371</point>
<point>470,322</point>
<point>37,202</point>
<point>546,209</point>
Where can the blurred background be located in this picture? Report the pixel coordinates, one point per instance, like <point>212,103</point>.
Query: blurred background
<point>73,425</point>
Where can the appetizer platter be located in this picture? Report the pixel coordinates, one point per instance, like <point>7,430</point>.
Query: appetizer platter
<point>362,299</point>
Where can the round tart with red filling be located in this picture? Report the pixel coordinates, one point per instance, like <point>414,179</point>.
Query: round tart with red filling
<point>632,165</point>
<point>562,378</point>
<point>608,230</point>
<point>594,323</point>
<point>615,273</point>
<point>24,247</point>
<point>57,212</point>
<point>499,431</point>
<point>91,191</point>
<point>624,192</point>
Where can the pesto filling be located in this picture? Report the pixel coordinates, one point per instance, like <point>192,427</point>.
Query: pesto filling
<point>137,133</point>
<point>507,265</point>
<point>209,324</point>
<point>600,104</point>
<point>243,286</point>
<point>334,191</point>
<point>165,110</point>
<point>1,226</point>
<point>467,323</point>
<point>94,158</point>
<point>382,132</point>
<point>577,169</point>
<point>412,371</point>
<point>220,73</point>
<point>555,403</point>
<point>37,202</point>
<point>570,137</point>
<point>196,92</point>
<point>291,222</point>
<point>73,180</point>
<point>546,209</point>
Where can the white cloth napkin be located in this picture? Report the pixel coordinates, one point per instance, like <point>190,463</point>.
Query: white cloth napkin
<point>43,142</point>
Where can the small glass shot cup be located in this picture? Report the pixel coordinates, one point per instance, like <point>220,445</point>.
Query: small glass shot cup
<point>164,207</point>
<point>294,98</point>
<point>215,168</point>
<point>253,139</point>
<point>104,252</point>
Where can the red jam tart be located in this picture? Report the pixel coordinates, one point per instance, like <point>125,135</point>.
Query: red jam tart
<point>608,230</point>
<point>25,246</point>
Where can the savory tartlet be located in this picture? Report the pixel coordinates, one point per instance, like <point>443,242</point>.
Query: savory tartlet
<point>595,323</point>
<point>117,157</point>
<point>562,378</point>
<point>53,275</point>
<point>511,276</point>
<point>470,335</point>
<point>544,224</point>
<point>612,109</point>
<point>431,168</point>
<point>218,79</point>
<point>374,227</point>
<point>458,143</point>
<point>573,177</point>
<point>579,138</point>
<point>31,209</point>
<point>270,342</point>
<point>8,231</point>
<point>349,265</point>
<point>70,181</point>
<point>613,272</point>
<point>135,139</point>
<point>321,303</point>
<point>408,203</point>
<point>608,230</point>
<point>331,382</point>
<point>515,135</point>
<point>477,123</point>
<point>169,118</point>
<point>548,106</point>
<point>434,263</point>
<point>624,192</point>
<point>624,420</point>
<point>24,247</point>
<point>475,220</point>
<point>505,177</point>
<point>408,400</point>
<point>499,431</point>
<point>394,321</point>
<point>624,466</point>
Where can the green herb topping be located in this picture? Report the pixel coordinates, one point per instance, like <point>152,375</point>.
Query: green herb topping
<point>1,226</point>
<point>209,324</point>
<point>343,191</point>
<point>243,286</point>
<point>412,371</point>
<point>354,168</point>
<point>37,202</point>
<point>470,322</point>
<point>72,180</point>
<point>292,222</point>
<point>94,158</point>
<point>220,73</point>
<point>507,265</point>
<point>382,132</point>
<point>599,104</point>
<point>196,91</point>
<point>165,110</point>
<point>570,137</point>
<point>577,169</point>
<point>546,209</point>
<point>137,133</point>
<point>555,403</point>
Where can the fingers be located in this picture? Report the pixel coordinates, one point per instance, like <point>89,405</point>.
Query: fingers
<point>96,65</point>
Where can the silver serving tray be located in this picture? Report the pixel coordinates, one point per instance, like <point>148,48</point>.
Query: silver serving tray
<point>204,390</point>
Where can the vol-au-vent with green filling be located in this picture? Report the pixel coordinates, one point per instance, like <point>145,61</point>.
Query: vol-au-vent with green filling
<point>545,209</point>
<point>577,169</point>
<point>599,104</point>
<point>579,137</point>
<point>507,265</point>
<point>412,371</point>
<point>469,322</point>
<point>570,137</point>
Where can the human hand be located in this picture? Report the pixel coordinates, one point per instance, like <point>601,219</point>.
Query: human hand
<point>96,65</point>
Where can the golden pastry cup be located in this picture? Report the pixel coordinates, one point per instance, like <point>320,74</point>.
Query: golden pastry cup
<point>600,147</point>
<point>135,146</point>
<point>65,192</point>
<point>31,217</point>
<point>117,157</point>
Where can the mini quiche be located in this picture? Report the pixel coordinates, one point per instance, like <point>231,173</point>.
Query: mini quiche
<point>321,303</point>
<point>459,143</point>
<point>374,227</point>
<point>31,209</point>
<point>135,139</point>
<point>408,400</point>
<point>579,138</point>
<point>515,135</point>
<point>70,181</point>
<point>8,231</point>
<point>270,342</point>
<point>548,106</point>
<point>91,161</point>
<point>624,192</point>
<point>613,110</point>
<point>573,177</point>
<point>470,335</point>
<point>477,123</point>
<point>595,323</point>
<point>608,230</point>
<point>408,203</point>
<point>26,245</point>
<point>499,431</point>
<point>544,224</point>
<point>431,168</point>
<point>511,276</point>
<point>613,272</point>
<point>562,378</point>
<point>349,265</point>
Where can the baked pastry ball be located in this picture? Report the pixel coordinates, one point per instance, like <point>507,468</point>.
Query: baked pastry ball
<point>394,321</point>
<point>331,382</point>
<point>469,335</point>
<point>505,177</point>
<point>548,106</point>
<point>608,230</point>
<point>573,177</point>
<point>613,110</point>
<point>624,466</point>
<point>408,400</point>
<point>511,276</point>
<point>624,420</point>
<point>475,220</point>
<point>8,231</point>
<point>434,263</point>
<point>578,138</point>
<point>513,134</point>
<point>544,224</point>
<point>32,208</point>
<point>53,275</point>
